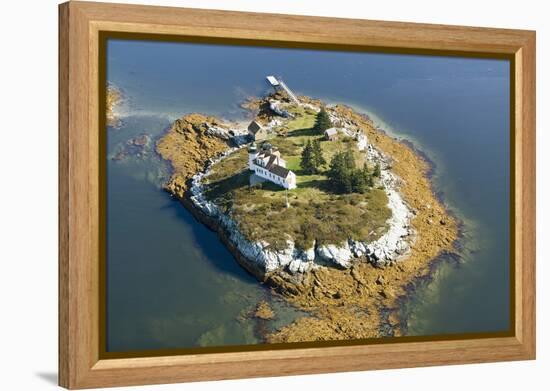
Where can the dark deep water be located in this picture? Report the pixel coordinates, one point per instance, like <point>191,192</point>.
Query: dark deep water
<point>172,284</point>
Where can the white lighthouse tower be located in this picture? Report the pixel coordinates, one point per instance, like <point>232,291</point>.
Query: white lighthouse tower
<point>252,154</point>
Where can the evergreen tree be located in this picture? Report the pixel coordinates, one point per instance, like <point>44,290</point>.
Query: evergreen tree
<point>345,178</point>
<point>347,181</point>
<point>364,181</point>
<point>336,171</point>
<point>359,182</point>
<point>341,172</point>
<point>349,160</point>
<point>365,170</point>
<point>318,158</point>
<point>376,171</point>
<point>307,163</point>
<point>322,121</point>
<point>370,181</point>
<point>336,165</point>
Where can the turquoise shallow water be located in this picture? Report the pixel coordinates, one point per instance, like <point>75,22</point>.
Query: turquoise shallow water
<point>172,284</point>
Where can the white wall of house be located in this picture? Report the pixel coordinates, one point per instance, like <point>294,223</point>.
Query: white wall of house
<point>288,183</point>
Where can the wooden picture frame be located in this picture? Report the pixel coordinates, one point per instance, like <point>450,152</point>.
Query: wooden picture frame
<point>80,273</point>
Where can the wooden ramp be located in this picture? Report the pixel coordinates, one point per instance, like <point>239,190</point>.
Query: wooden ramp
<point>289,92</point>
<point>279,83</point>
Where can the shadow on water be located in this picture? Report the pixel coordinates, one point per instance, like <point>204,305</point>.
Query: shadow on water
<point>210,244</point>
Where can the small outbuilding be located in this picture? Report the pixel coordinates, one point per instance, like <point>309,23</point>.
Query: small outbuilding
<point>331,134</point>
<point>257,131</point>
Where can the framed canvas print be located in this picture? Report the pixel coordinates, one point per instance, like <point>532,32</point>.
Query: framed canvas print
<point>249,195</point>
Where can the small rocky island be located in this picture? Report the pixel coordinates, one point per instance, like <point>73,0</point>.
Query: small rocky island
<point>113,99</point>
<point>334,214</point>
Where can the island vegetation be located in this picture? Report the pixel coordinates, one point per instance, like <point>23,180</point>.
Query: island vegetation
<point>346,192</point>
<point>315,212</point>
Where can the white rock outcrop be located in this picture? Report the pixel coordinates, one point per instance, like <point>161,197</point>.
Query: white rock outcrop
<point>218,131</point>
<point>361,141</point>
<point>339,255</point>
<point>275,106</point>
<point>395,242</point>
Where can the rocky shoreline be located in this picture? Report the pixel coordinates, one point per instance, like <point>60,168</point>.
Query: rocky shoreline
<point>344,286</point>
<point>113,99</point>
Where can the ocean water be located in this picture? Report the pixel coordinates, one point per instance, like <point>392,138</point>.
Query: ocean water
<point>170,281</point>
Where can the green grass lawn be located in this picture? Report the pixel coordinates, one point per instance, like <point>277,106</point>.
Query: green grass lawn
<point>315,212</point>
<point>302,121</point>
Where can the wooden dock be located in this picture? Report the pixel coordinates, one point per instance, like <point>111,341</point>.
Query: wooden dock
<point>278,83</point>
<point>273,81</point>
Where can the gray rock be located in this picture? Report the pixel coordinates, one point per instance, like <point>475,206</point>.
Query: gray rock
<point>219,132</point>
<point>294,266</point>
<point>340,256</point>
<point>274,106</point>
<point>310,253</point>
